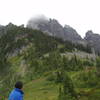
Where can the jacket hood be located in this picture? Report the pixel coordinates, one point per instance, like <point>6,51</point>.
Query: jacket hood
<point>19,90</point>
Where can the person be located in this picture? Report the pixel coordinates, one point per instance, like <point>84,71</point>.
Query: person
<point>17,93</point>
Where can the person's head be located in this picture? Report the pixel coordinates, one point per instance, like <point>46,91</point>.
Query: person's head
<point>19,85</point>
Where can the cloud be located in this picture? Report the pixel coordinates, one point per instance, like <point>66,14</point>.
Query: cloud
<point>36,20</point>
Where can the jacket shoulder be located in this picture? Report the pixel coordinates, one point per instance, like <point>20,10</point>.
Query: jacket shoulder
<point>15,95</point>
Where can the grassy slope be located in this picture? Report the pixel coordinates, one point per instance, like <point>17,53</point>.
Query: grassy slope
<point>41,89</point>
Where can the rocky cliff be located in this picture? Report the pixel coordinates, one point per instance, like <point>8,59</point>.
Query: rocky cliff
<point>93,39</point>
<point>54,28</point>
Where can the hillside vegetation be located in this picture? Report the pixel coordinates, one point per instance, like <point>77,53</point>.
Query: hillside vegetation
<point>37,59</point>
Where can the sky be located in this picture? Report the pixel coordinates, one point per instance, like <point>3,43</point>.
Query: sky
<point>82,15</point>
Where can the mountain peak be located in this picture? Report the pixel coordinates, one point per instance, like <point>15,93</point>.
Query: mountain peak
<point>89,32</point>
<point>54,28</point>
<point>93,39</point>
<point>67,26</point>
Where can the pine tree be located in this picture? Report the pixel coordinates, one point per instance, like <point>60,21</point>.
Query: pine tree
<point>67,92</point>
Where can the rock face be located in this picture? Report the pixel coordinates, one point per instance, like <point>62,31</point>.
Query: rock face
<point>93,40</point>
<point>71,34</point>
<point>54,28</point>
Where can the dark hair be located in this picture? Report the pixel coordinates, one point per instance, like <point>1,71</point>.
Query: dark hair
<point>19,85</point>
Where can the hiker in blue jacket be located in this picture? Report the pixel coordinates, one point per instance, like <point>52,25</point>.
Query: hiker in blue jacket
<point>17,93</point>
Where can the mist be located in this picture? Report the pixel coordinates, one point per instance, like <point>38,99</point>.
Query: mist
<point>36,20</point>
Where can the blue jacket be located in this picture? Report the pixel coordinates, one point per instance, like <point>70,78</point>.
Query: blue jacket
<point>16,94</point>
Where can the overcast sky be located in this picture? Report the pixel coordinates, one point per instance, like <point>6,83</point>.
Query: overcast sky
<point>82,15</point>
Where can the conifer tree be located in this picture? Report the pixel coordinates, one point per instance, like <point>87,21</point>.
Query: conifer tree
<point>67,92</point>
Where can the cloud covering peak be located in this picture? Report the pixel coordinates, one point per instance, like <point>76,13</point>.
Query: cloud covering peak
<point>36,20</point>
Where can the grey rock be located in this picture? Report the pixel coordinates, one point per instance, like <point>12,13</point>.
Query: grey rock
<point>93,39</point>
<point>54,28</point>
<point>71,34</point>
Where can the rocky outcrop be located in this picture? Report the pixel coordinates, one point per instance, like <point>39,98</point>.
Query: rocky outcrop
<point>93,40</point>
<point>54,28</point>
<point>71,34</point>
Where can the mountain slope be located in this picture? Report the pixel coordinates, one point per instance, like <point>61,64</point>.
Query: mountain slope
<point>42,89</point>
<point>27,54</point>
<point>54,28</point>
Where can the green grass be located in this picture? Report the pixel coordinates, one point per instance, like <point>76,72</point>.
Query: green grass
<point>41,89</point>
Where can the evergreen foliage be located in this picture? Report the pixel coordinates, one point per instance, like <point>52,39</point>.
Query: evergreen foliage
<point>66,90</point>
